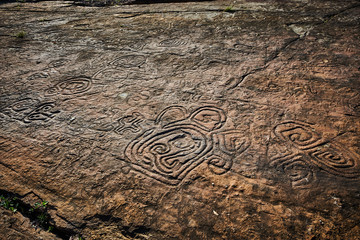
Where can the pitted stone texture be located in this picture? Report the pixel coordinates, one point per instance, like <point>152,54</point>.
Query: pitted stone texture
<point>184,121</point>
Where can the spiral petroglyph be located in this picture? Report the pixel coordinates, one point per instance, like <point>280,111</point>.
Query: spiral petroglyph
<point>335,159</point>
<point>299,134</point>
<point>296,168</point>
<point>218,165</point>
<point>180,142</point>
<point>128,61</point>
<point>70,86</point>
<point>329,156</point>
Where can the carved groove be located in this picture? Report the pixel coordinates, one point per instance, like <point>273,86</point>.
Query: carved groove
<point>181,142</point>
<point>329,156</point>
<point>70,86</point>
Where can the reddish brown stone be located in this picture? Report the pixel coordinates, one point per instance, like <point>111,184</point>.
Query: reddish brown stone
<point>182,120</point>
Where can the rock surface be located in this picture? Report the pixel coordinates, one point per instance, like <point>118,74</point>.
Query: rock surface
<point>182,120</point>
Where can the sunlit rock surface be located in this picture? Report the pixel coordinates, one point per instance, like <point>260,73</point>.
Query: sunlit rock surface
<point>196,120</point>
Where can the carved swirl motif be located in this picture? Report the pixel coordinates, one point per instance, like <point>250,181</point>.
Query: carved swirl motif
<point>172,43</point>
<point>336,160</point>
<point>180,142</point>
<point>296,168</point>
<point>44,112</point>
<point>329,156</point>
<point>129,61</point>
<point>70,86</point>
<point>301,135</point>
<point>30,110</point>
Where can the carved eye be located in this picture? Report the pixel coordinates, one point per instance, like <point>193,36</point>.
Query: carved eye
<point>45,108</point>
<point>23,105</point>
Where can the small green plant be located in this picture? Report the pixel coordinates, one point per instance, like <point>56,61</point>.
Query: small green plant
<point>20,34</point>
<point>9,203</point>
<point>43,218</point>
<point>44,204</point>
<point>229,9</point>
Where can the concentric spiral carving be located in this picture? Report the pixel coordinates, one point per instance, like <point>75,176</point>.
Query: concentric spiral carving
<point>336,160</point>
<point>300,135</point>
<point>327,155</point>
<point>170,153</point>
<point>180,142</point>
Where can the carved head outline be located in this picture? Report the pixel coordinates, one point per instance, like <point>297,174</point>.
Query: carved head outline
<point>180,142</point>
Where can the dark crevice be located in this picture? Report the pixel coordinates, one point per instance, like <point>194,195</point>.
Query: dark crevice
<point>132,231</point>
<point>277,52</point>
<point>331,15</point>
<point>272,57</point>
<point>37,214</point>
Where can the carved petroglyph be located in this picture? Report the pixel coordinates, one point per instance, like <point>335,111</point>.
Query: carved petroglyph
<point>172,43</point>
<point>29,110</point>
<point>130,123</point>
<point>315,151</point>
<point>58,63</point>
<point>300,135</point>
<point>296,169</point>
<point>219,165</point>
<point>70,86</point>
<point>44,112</point>
<point>38,75</point>
<point>138,98</point>
<point>129,61</point>
<point>335,159</point>
<point>180,142</point>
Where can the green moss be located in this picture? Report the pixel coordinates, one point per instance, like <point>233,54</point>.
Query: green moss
<point>20,34</point>
<point>229,9</point>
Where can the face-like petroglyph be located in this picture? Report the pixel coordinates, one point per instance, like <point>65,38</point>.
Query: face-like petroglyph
<point>29,110</point>
<point>311,149</point>
<point>70,86</point>
<point>179,142</point>
<point>44,112</point>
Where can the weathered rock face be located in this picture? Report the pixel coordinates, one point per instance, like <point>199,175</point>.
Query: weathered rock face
<point>182,121</point>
